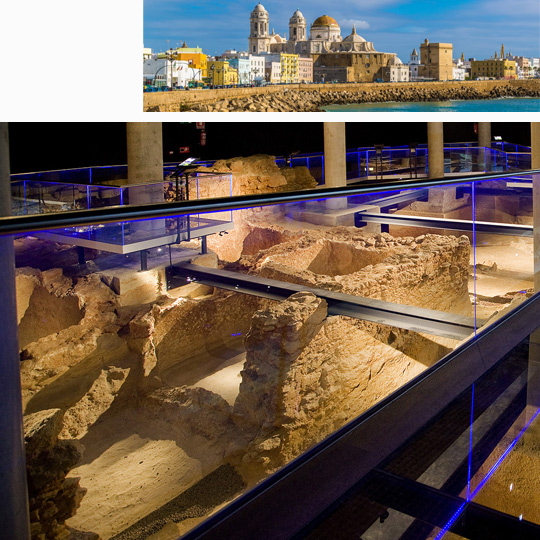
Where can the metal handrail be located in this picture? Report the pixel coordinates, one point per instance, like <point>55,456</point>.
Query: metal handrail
<point>113,214</point>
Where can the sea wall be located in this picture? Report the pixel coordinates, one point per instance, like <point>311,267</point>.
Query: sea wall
<point>311,97</point>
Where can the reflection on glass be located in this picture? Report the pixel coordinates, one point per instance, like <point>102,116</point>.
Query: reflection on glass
<point>194,356</point>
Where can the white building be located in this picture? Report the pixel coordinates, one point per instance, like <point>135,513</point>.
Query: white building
<point>273,72</point>
<point>395,71</point>
<point>459,73</point>
<point>414,65</point>
<point>256,64</point>
<point>163,72</point>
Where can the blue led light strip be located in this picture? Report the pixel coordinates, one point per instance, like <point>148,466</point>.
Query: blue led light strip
<point>451,521</point>
<point>459,511</point>
<point>470,446</point>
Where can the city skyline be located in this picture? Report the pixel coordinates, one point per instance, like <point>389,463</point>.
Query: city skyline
<point>477,28</point>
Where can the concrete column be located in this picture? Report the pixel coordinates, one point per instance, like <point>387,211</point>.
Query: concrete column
<point>145,165</point>
<point>13,492</point>
<point>484,141</point>
<point>435,149</point>
<point>335,168</point>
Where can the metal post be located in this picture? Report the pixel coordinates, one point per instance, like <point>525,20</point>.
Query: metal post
<point>81,255</point>
<point>204,245</point>
<point>14,517</point>
<point>144,260</point>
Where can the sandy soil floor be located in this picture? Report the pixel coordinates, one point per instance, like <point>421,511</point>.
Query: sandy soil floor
<point>514,269</point>
<point>134,465</point>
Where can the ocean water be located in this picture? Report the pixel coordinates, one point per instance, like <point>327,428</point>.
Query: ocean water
<point>472,105</point>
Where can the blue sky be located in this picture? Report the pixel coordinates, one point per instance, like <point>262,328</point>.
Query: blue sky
<point>475,27</point>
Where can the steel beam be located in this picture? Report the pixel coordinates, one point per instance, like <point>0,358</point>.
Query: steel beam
<point>412,318</point>
<point>400,198</point>
<point>509,229</point>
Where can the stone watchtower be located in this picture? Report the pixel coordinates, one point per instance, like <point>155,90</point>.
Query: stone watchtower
<point>436,61</point>
<point>297,27</point>
<point>259,37</point>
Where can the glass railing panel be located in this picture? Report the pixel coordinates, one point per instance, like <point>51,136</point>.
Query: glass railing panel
<point>200,357</point>
<point>506,438</point>
<point>209,378</point>
<point>502,260</point>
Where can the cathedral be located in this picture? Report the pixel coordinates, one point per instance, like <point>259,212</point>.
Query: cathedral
<point>356,59</point>
<point>324,36</point>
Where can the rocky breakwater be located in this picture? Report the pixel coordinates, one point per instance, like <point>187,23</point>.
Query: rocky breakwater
<point>316,100</point>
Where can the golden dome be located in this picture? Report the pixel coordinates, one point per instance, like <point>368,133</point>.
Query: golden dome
<point>325,20</point>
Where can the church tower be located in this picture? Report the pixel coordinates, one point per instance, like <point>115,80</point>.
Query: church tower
<point>259,38</point>
<point>297,27</point>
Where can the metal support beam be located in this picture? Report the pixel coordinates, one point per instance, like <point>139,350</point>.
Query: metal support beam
<point>401,198</point>
<point>486,227</point>
<point>401,316</point>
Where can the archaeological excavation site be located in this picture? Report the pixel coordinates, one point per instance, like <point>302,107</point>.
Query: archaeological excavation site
<point>160,391</point>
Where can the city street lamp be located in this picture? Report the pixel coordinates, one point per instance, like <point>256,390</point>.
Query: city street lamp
<point>169,55</point>
<point>254,70</point>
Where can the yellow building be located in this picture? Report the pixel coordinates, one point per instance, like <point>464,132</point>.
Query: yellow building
<point>493,68</point>
<point>289,68</point>
<point>193,55</point>
<point>220,73</point>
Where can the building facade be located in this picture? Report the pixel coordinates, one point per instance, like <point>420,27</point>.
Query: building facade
<point>241,64</point>
<point>172,73</point>
<point>347,67</point>
<point>193,55</point>
<point>305,70</point>
<point>493,68</point>
<point>220,73</point>
<point>395,71</point>
<point>288,66</point>
<point>436,61</point>
<point>352,56</point>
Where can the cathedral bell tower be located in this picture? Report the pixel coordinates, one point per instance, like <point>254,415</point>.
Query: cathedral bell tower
<point>259,39</point>
<point>297,27</point>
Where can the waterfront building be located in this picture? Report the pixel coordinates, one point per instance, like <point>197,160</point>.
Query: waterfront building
<point>172,73</point>
<point>305,69</point>
<point>241,64</point>
<point>288,66</point>
<point>147,53</point>
<point>193,55</point>
<point>220,73</point>
<point>395,71</point>
<point>436,61</point>
<point>256,68</point>
<point>461,69</point>
<point>493,68</point>
<point>256,64</point>
<point>524,69</point>
<point>414,65</point>
<point>273,72</point>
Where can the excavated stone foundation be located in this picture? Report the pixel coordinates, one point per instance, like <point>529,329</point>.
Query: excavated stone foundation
<point>198,381</point>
